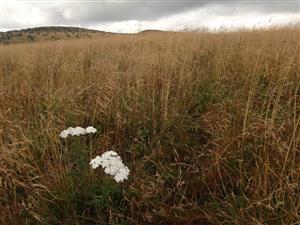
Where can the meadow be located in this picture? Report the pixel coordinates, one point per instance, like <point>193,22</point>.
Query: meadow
<point>207,123</point>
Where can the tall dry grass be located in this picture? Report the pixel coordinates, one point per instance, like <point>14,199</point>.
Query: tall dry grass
<point>207,123</point>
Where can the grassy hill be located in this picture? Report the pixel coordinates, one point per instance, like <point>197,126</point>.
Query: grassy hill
<point>208,124</point>
<point>55,33</point>
<point>38,34</point>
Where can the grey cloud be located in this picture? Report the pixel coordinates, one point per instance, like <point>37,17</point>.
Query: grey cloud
<point>92,12</point>
<point>148,10</point>
<point>267,6</point>
<point>114,12</point>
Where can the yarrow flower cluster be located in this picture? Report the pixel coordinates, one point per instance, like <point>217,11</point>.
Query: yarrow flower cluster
<point>110,161</point>
<point>77,131</point>
<point>112,164</point>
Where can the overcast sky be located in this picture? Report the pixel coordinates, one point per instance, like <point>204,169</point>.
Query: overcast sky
<point>136,15</point>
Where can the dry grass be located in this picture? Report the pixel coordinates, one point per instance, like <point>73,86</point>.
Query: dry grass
<point>207,123</point>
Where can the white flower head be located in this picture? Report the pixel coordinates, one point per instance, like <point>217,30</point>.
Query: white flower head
<point>122,174</point>
<point>64,134</point>
<point>112,164</point>
<point>90,130</point>
<point>70,130</point>
<point>77,131</point>
<point>96,162</point>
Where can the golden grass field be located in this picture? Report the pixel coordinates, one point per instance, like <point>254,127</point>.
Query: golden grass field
<point>208,123</point>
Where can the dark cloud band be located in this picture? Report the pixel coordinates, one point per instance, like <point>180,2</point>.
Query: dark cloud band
<point>92,12</point>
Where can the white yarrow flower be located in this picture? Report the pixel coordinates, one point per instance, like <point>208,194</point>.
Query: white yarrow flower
<point>90,130</point>
<point>95,162</point>
<point>71,130</point>
<point>64,134</point>
<point>77,131</point>
<point>112,164</point>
